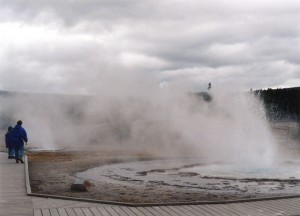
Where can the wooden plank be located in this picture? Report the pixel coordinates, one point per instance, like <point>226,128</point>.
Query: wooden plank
<point>119,211</point>
<point>243,209</point>
<point>175,210</point>
<point>140,211</point>
<point>46,212</point>
<point>87,212</point>
<point>14,200</point>
<point>261,208</point>
<point>295,204</point>
<point>152,211</point>
<point>95,211</point>
<point>212,210</point>
<point>229,210</point>
<point>290,203</point>
<point>297,200</point>
<point>103,211</point>
<point>184,211</point>
<point>254,210</point>
<point>219,211</point>
<point>266,206</point>
<point>70,212</point>
<point>271,206</point>
<point>250,209</point>
<point>197,209</point>
<point>128,211</point>
<point>294,201</point>
<point>37,212</point>
<point>15,211</point>
<point>204,209</point>
<point>286,205</point>
<point>160,211</point>
<point>54,212</point>
<point>62,212</point>
<point>27,182</point>
<point>170,211</point>
<point>283,207</point>
<point>111,211</point>
<point>78,211</point>
<point>196,212</point>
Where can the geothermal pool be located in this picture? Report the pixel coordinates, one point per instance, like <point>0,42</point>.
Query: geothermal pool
<point>168,169</point>
<point>282,178</point>
<point>283,170</point>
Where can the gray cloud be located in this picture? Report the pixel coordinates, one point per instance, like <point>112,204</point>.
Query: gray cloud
<point>138,59</point>
<point>80,46</point>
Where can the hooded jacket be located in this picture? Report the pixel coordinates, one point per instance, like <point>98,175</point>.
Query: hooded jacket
<point>8,140</point>
<point>19,136</point>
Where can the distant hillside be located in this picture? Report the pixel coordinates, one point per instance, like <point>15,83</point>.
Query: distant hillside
<point>281,104</point>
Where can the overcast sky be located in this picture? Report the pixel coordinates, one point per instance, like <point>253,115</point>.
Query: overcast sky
<point>75,46</point>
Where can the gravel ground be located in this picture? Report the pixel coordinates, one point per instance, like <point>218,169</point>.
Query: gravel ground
<point>54,172</point>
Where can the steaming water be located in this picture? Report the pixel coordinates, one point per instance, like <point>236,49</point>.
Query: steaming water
<point>230,128</point>
<point>169,170</point>
<point>284,170</point>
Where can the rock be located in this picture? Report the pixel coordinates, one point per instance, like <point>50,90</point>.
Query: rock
<point>81,185</point>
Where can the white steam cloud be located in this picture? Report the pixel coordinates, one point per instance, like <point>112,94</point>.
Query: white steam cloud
<point>164,121</point>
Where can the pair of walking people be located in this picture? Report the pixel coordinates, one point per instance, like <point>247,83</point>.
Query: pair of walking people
<point>15,138</point>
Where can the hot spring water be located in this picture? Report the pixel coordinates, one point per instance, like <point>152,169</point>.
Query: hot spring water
<point>233,140</point>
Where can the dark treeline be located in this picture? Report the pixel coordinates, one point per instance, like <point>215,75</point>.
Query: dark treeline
<point>281,104</point>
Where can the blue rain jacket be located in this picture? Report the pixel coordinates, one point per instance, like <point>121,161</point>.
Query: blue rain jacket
<point>9,140</point>
<point>19,136</point>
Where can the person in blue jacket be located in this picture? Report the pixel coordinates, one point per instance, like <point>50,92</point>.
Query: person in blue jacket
<point>19,136</point>
<point>9,143</point>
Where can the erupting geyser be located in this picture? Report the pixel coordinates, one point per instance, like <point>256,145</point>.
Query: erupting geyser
<point>229,137</point>
<point>229,127</point>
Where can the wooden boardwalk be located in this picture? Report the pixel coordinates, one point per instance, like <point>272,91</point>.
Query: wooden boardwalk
<point>52,207</point>
<point>13,197</point>
<point>15,202</point>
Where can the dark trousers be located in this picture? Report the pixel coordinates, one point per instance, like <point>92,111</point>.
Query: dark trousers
<point>17,151</point>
